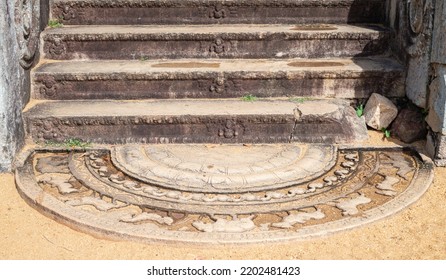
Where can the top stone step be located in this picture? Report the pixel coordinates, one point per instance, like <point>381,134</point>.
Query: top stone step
<point>122,12</point>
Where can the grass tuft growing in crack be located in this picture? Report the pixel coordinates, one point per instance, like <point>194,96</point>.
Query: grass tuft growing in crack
<point>54,23</point>
<point>70,143</point>
<point>250,98</point>
<point>386,132</point>
<point>360,110</point>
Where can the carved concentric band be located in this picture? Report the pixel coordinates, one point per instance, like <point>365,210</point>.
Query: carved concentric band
<point>86,190</point>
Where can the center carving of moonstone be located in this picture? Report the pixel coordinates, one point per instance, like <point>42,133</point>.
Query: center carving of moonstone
<point>225,169</point>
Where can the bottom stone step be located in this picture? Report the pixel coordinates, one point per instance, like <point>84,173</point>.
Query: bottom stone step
<point>196,121</point>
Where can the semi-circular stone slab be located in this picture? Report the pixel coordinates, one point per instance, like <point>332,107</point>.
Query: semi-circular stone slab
<point>224,168</point>
<point>84,190</point>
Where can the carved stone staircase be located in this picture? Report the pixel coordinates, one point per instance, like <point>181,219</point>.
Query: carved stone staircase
<point>187,71</point>
<point>196,71</point>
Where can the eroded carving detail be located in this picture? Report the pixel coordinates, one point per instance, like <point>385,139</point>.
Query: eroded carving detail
<point>56,47</point>
<point>96,202</point>
<point>94,187</point>
<point>27,22</point>
<point>68,13</point>
<point>231,130</point>
<point>218,86</point>
<point>300,218</point>
<point>416,15</point>
<point>48,129</point>
<point>219,46</point>
<point>48,87</point>
<point>420,22</point>
<point>387,186</point>
<point>350,207</point>
<point>217,12</point>
<point>62,183</point>
<point>147,217</point>
<point>224,225</point>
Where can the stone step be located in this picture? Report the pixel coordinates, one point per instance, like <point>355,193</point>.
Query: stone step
<point>217,11</point>
<point>218,78</point>
<point>195,121</point>
<point>208,41</point>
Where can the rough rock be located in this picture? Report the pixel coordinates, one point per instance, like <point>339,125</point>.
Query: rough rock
<point>379,111</point>
<point>409,125</point>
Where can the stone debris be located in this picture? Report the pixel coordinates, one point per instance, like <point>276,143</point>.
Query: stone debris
<point>379,112</point>
<point>409,126</point>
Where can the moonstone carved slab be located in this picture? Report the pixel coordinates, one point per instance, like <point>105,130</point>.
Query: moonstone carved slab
<point>343,188</point>
<point>224,169</point>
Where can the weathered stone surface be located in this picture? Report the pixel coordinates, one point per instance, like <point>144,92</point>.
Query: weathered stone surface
<point>224,169</point>
<point>409,125</point>
<point>436,148</point>
<point>217,11</point>
<point>217,78</point>
<point>94,195</point>
<point>379,111</point>
<point>419,40</point>
<point>437,101</point>
<point>439,36</point>
<point>19,27</point>
<point>213,41</point>
<point>193,121</point>
<point>328,122</point>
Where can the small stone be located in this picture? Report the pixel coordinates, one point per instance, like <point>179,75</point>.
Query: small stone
<point>379,112</point>
<point>409,125</point>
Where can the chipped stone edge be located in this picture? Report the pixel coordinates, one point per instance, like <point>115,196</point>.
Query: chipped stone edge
<point>83,221</point>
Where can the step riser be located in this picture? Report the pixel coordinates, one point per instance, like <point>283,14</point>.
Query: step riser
<point>236,129</point>
<point>218,12</point>
<point>273,46</point>
<point>217,86</point>
<point>165,129</point>
<point>195,122</point>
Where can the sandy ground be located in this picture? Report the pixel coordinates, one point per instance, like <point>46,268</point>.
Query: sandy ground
<point>418,232</point>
